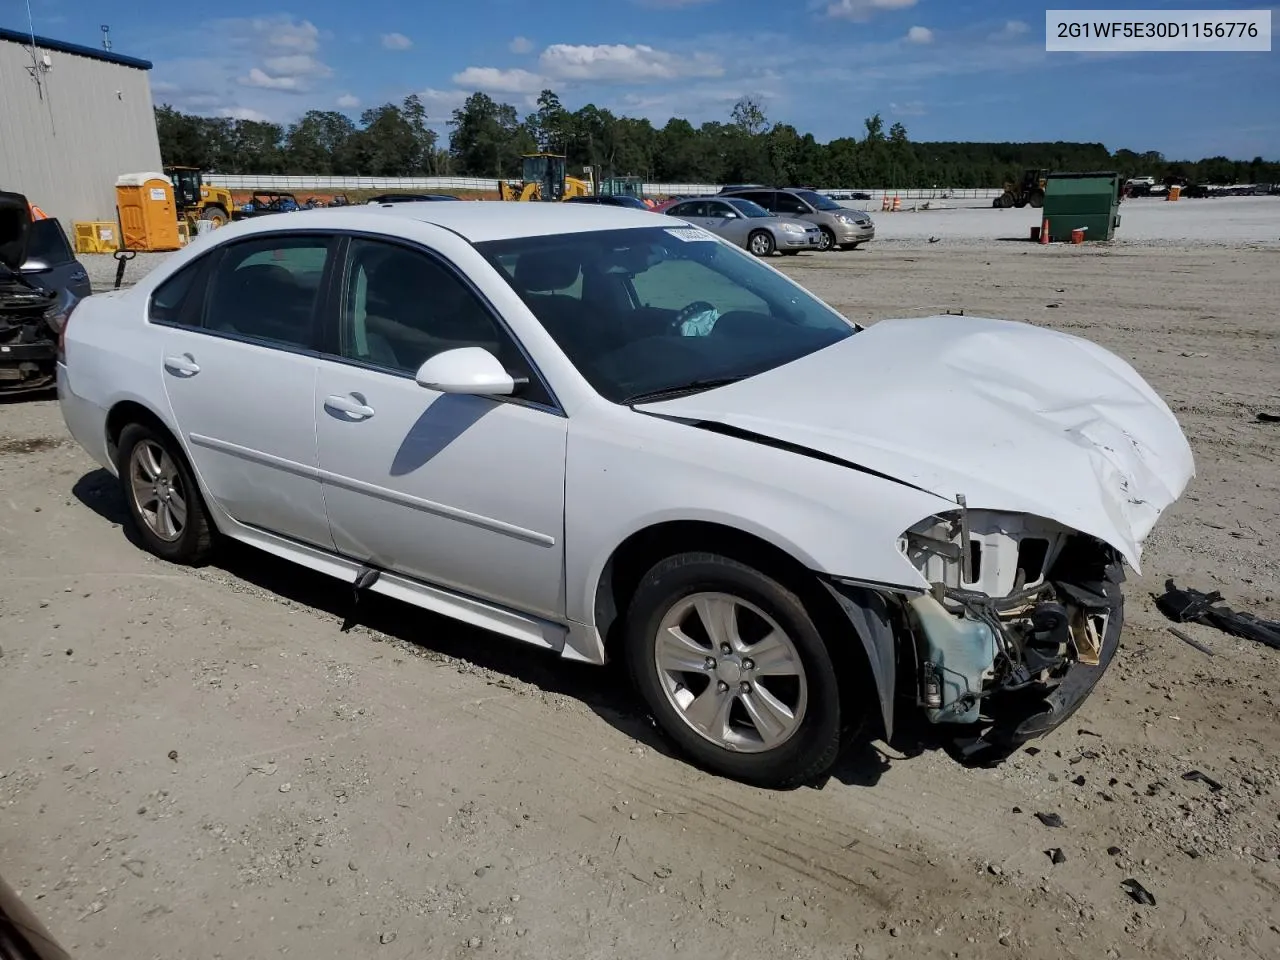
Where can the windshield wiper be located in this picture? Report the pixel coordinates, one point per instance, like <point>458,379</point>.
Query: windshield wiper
<point>693,386</point>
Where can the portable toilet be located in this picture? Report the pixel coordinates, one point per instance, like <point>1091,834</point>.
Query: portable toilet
<point>1082,201</point>
<point>148,214</point>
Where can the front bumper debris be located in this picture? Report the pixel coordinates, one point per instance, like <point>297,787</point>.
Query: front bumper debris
<point>1018,627</point>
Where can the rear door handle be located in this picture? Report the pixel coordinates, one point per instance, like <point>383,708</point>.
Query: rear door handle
<point>351,406</point>
<point>184,365</point>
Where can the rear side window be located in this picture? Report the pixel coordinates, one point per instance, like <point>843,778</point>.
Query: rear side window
<point>176,301</point>
<point>268,289</point>
<point>789,203</point>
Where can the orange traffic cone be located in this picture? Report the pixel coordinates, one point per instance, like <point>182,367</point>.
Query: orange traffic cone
<point>1044,230</point>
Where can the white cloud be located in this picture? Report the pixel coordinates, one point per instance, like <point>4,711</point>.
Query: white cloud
<point>671,4</point>
<point>282,33</point>
<point>256,77</point>
<point>864,9</point>
<point>1011,28</point>
<point>912,108</point>
<point>520,45</point>
<point>347,101</point>
<point>493,80</point>
<point>919,35</point>
<point>623,63</point>
<point>244,113</point>
<point>297,65</point>
<point>396,41</point>
<point>440,104</point>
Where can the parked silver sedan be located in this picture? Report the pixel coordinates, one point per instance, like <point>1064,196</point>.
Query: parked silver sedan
<point>748,225</point>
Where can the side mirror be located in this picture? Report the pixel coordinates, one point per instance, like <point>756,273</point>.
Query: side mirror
<point>467,370</point>
<point>730,215</point>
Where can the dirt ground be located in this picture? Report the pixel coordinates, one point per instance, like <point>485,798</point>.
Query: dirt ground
<point>200,764</point>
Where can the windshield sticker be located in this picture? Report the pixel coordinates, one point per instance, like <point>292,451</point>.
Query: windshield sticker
<point>690,234</point>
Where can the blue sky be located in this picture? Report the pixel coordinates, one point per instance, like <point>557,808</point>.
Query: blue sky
<point>947,69</point>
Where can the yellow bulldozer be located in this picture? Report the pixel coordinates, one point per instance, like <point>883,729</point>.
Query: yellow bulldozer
<point>1029,191</point>
<point>197,200</point>
<point>544,178</point>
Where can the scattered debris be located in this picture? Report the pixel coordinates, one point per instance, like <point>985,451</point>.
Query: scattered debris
<point>1188,605</point>
<point>1268,417</point>
<point>1213,785</point>
<point>1190,641</point>
<point>173,754</point>
<point>1115,852</point>
<point>1138,892</point>
<point>1056,855</point>
<point>1050,819</point>
<point>387,937</point>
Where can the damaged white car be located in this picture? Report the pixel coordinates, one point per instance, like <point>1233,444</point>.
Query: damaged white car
<point>609,434</point>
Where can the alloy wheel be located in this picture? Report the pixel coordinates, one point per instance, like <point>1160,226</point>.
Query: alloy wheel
<point>157,490</point>
<point>731,672</point>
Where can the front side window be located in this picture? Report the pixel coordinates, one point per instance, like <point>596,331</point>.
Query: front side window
<point>47,244</point>
<point>693,208</point>
<point>268,289</point>
<point>748,209</point>
<point>819,201</point>
<point>401,307</point>
<point>656,310</point>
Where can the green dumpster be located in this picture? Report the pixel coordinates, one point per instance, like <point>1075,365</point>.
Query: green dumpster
<point>1082,201</point>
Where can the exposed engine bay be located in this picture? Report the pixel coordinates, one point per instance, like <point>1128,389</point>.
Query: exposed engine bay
<point>1021,619</point>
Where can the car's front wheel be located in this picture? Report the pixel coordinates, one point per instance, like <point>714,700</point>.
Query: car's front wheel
<point>163,499</point>
<point>761,243</point>
<point>827,241</point>
<point>734,670</point>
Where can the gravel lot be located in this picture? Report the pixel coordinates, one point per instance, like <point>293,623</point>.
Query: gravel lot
<point>199,763</point>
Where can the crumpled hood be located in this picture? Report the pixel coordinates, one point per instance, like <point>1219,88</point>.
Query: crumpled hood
<point>1015,417</point>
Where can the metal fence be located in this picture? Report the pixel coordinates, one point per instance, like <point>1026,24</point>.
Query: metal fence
<point>484,185</point>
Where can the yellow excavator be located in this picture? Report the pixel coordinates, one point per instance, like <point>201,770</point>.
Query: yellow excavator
<point>544,178</point>
<point>197,200</point>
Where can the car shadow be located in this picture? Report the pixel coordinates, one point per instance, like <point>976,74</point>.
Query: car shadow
<point>607,691</point>
<point>30,396</point>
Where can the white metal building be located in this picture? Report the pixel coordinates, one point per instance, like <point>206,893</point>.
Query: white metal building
<point>72,119</point>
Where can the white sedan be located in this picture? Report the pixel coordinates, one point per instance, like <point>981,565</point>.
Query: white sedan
<point>608,433</point>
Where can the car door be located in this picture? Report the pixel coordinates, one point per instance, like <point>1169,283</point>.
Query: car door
<point>791,207</point>
<point>460,491</point>
<point>240,340</point>
<point>727,222</point>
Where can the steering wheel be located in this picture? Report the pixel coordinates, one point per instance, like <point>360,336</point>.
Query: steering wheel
<point>688,312</point>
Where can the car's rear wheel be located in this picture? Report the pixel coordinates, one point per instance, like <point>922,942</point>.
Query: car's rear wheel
<point>761,243</point>
<point>828,240</point>
<point>215,215</point>
<point>164,501</point>
<point>734,670</point>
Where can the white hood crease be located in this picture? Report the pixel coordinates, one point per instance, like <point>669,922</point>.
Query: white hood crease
<point>1016,418</point>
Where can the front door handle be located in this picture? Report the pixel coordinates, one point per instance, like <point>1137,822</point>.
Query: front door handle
<point>184,365</point>
<point>352,406</point>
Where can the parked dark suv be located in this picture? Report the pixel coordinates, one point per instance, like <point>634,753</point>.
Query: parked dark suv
<point>842,228</point>
<point>40,282</point>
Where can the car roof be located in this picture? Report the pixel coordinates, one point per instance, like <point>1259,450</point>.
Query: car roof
<point>477,221</point>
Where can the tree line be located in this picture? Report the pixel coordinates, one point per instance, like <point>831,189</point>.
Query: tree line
<point>487,139</point>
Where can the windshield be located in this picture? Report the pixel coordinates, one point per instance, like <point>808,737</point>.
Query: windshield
<point>654,309</point>
<point>818,201</point>
<point>749,208</point>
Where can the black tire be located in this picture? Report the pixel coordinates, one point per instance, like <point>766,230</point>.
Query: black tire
<point>761,243</point>
<point>194,543</point>
<point>811,750</point>
<point>1037,200</point>
<point>215,215</point>
<point>828,240</point>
